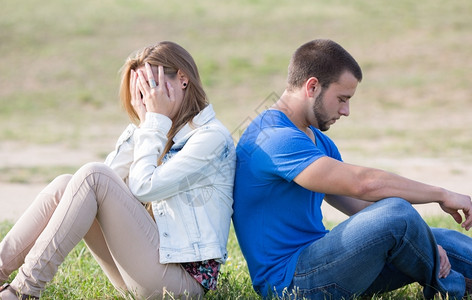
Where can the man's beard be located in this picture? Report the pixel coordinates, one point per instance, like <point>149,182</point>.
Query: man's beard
<point>320,113</point>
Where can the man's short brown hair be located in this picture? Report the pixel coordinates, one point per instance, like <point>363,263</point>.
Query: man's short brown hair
<point>323,59</point>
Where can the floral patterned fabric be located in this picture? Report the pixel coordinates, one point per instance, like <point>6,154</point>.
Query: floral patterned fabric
<point>205,272</point>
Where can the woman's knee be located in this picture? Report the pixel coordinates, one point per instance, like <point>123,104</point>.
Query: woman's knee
<point>94,167</point>
<point>61,181</point>
<point>55,189</point>
<point>93,173</point>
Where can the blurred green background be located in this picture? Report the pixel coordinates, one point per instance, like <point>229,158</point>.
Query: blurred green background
<point>60,61</point>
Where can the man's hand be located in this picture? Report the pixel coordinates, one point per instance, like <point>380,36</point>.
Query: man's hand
<point>444,264</point>
<point>457,202</point>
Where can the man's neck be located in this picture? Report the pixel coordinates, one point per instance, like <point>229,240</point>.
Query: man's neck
<point>294,107</point>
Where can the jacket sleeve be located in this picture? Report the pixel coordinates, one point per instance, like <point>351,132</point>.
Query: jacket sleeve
<point>191,167</point>
<point>121,158</point>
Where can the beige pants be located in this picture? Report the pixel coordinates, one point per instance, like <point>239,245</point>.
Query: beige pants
<point>96,205</point>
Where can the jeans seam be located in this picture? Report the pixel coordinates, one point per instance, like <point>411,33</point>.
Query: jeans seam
<point>420,253</point>
<point>323,288</point>
<point>325,266</point>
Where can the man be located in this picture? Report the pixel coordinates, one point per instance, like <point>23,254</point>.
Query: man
<point>286,166</point>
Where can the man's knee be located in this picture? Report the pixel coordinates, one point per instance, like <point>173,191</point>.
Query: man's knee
<point>400,207</point>
<point>398,211</point>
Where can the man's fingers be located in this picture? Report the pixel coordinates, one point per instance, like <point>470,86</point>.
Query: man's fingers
<point>468,221</point>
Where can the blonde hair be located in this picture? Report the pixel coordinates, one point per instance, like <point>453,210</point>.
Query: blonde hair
<point>173,58</point>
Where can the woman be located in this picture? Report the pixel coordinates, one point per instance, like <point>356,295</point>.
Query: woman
<point>180,160</point>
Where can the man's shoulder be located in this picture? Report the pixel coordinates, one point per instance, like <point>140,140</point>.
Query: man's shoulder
<point>268,131</point>
<point>270,122</point>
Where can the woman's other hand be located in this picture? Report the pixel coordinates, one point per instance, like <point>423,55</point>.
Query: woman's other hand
<point>158,96</point>
<point>136,97</point>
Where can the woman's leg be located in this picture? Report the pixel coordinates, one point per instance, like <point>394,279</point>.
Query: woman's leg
<point>95,191</point>
<point>21,238</point>
<point>98,247</point>
<point>132,238</point>
<point>68,224</point>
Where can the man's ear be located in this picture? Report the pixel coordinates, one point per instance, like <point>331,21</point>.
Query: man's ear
<point>312,87</point>
<point>182,78</point>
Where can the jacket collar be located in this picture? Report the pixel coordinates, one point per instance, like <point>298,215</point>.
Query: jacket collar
<point>203,117</point>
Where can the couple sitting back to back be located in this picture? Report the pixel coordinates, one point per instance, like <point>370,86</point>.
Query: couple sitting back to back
<point>156,214</point>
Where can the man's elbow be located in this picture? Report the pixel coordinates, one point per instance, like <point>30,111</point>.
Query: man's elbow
<point>367,189</point>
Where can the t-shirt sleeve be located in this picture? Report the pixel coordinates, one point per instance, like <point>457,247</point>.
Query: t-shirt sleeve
<point>329,147</point>
<point>284,152</point>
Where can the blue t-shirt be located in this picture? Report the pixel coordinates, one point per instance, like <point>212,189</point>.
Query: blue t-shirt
<point>275,218</point>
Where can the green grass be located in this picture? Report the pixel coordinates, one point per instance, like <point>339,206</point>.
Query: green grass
<point>80,277</point>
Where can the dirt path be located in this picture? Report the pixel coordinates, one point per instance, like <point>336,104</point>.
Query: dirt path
<point>15,198</point>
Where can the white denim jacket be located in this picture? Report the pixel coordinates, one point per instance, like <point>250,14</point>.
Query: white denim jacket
<point>191,191</point>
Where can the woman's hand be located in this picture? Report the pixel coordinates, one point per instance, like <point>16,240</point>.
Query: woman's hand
<point>444,264</point>
<point>136,97</point>
<point>159,99</point>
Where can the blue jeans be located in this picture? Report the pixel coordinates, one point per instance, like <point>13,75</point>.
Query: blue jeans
<point>379,249</point>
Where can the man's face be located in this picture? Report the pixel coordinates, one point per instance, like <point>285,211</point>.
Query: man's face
<point>333,101</point>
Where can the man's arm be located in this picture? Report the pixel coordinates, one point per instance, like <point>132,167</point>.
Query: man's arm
<point>346,205</point>
<point>330,176</point>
